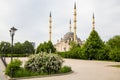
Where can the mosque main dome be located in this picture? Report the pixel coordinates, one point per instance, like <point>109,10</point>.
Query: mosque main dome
<point>69,36</point>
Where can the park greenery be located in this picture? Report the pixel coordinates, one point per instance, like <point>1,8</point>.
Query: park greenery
<point>20,49</point>
<point>46,60</point>
<point>46,47</point>
<point>37,64</point>
<point>114,46</point>
<point>95,49</point>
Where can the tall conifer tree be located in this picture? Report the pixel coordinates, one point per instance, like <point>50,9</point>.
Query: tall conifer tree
<point>94,46</point>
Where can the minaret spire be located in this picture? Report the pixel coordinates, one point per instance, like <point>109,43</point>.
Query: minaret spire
<point>93,22</point>
<point>50,26</point>
<point>75,22</point>
<point>70,25</point>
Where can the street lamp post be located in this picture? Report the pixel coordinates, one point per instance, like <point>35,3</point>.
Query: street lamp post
<point>12,33</point>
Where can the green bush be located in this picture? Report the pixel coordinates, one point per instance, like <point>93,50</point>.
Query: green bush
<point>75,53</point>
<point>38,64</point>
<point>63,54</point>
<point>44,63</point>
<point>25,73</point>
<point>13,66</point>
<point>14,55</point>
<point>65,69</point>
<point>115,54</point>
<point>114,45</point>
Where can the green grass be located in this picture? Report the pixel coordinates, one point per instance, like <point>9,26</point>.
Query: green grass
<point>25,73</point>
<point>65,69</point>
<point>118,66</point>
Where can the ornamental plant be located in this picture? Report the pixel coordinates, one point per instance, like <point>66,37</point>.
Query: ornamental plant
<point>44,63</point>
<point>14,66</point>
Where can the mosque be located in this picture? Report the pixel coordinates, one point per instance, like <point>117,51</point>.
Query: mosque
<point>63,44</point>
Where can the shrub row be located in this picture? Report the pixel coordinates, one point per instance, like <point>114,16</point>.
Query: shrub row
<point>95,49</point>
<point>14,55</point>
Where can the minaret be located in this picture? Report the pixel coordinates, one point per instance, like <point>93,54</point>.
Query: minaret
<point>70,25</point>
<point>75,22</point>
<point>50,27</point>
<point>93,22</point>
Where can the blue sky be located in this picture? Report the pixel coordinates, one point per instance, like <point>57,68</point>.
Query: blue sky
<point>31,18</point>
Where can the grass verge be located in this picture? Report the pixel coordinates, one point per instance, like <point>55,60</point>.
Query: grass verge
<point>118,66</point>
<point>25,73</point>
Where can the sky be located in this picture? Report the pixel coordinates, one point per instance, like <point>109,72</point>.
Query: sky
<point>31,18</point>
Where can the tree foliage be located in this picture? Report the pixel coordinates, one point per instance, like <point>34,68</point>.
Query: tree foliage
<point>28,47</point>
<point>94,47</point>
<point>46,47</point>
<point>5,47</point>
<point>19,48</point>
<point>114,42</point>
<point>14,66</point>
<point>73,45</point>
<point>23,48</point>
<point>114,45</point>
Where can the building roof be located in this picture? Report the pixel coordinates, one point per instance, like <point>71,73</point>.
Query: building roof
<point>68,36</point>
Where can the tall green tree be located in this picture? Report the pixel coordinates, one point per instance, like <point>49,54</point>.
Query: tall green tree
<point>50,47</point>
<point>46,47</point>
<point>28,47</point>
<point>94,47</point>
<point>114,42</point>
<point>18,48</point>
<point>114,45</point>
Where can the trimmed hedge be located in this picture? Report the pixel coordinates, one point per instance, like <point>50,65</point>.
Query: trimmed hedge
<point>14,55</point>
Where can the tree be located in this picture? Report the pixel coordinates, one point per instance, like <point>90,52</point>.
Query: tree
<point>75,51</point>
<point>28,47</point>
<point>114,45</point>
<point>46,47</point>
<point>74,45</point>
<point>50,47</point>
<point>18,48</point>
<point>5,47</point>
<point>94,46</point>
<point>114,42</point>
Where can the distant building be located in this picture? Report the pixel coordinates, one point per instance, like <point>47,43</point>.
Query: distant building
<point>63,44</point>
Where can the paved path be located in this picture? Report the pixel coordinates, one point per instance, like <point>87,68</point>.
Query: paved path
<point>2,68</point>
<point>87,70</point>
